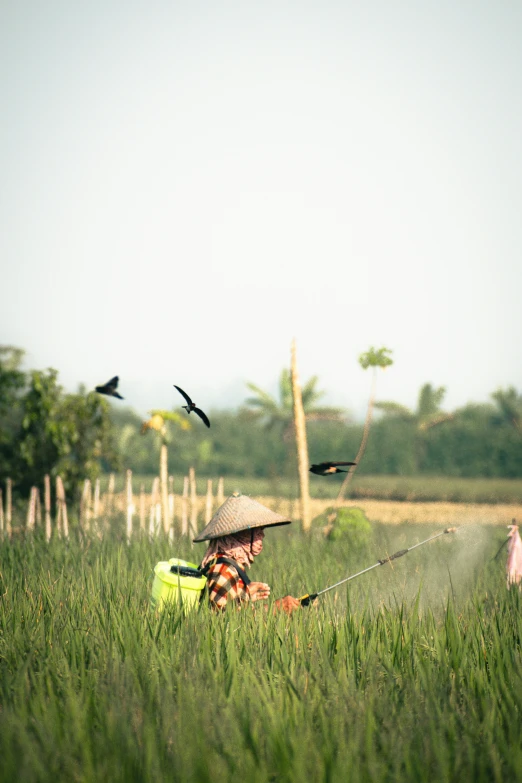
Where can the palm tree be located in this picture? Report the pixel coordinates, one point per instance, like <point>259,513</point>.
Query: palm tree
<point>427,414</point>
<point>279,413</point>
<point>374,358</point>
<point>158,422</point>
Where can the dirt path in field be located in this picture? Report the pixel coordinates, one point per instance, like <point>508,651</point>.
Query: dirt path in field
<point>394,512</point>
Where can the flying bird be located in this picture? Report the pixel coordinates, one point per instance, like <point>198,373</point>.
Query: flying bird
<point>191,406</point>
<point>110,388</point>
<point>326,468</point>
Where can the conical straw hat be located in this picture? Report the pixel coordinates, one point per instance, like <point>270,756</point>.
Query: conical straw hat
<point>238,513</point>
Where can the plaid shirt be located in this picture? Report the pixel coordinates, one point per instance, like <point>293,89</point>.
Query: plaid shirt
<point>224,584</point>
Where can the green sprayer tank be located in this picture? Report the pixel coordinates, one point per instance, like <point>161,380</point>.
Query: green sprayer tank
<point>177,580</point>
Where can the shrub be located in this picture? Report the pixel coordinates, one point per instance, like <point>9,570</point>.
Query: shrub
<point>350,523</point>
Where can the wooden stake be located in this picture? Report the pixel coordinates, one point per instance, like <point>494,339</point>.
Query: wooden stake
<point>208,504</point>
<point>164,485</point>
<point>109,503</point>
<point>193,503</point>
<point>301,445</point>
<point>8,507</point>
<point>171,500</point>
<point>62,522</point>
<point>151,520</point>
<point>130,504</point>
<point>142,508</point>
<point>184,507</point>
<point>96,504</point>
<point>157,522</point>
<point>154,507</point>
<point>171,509</point>
<point>85,506</point>
<point>220,498</point>
<point>47,507</point>
<point>37,507</point>
<point>29,522</point>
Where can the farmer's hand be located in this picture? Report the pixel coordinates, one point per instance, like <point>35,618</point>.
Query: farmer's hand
<point>287,604</point>
<point>258,591</point>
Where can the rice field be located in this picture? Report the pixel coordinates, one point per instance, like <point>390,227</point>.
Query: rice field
<point>413,673</point>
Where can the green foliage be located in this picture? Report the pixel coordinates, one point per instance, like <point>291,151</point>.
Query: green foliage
<point>376,357</point>
<point>345,522</point>
<point>12,379</point>
<point>509,404</point>
<point>55,433</point>
<point>44,430</point>
<point>404,675</point>
<point>12,383</point>
<point>472,441</point>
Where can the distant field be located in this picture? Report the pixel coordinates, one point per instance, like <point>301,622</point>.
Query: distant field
<point>412,489</point>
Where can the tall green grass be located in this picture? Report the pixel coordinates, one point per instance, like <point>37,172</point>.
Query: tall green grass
<point>414,673</point>
<point>410,488</point>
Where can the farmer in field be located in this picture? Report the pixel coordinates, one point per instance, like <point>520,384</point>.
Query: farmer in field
<point>236,533</point>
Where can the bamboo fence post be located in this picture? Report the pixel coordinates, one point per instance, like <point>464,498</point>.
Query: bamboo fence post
<point>164,485</point>
<point>184,507</point>
<point>96,503</point>
<point>302,448</point>
<point>109,495</point>
<point>62,522</point>
<point>157,515</point>
<point>47,507</point>
<point>88,505</point>
<point>151,518</point>
<point>59,510</point>
<point>1,514</point>
<point>171,509</point>
<point>29,522</point>
<point>82,506</point>
<point>220,498</point>
<point>142,508</point>
<point>37,507</point>
<point>193,503</point>
<point>153,506</point>
<point>8,507</point>
<point>130,504</point>
<point>171,500</point>
<point>208,504</point>
<point>85,506</point>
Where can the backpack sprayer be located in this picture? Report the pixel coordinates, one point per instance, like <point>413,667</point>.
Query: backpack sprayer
<point>309,597</point>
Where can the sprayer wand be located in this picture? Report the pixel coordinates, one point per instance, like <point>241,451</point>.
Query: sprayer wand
<point>308,598</point>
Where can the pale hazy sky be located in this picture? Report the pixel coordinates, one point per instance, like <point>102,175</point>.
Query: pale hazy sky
<point>185,186</point>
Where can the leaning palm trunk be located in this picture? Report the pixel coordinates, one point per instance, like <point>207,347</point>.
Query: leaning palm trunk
<point>362,447</point>
<point>302,448</point>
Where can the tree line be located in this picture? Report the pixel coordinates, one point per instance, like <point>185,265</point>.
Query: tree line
<point>477,440</point>
<point>43,430</point>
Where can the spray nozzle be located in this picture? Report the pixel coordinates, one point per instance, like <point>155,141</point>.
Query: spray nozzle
<point>451,530</point>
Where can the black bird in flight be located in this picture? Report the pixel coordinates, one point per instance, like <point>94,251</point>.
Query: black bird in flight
<point>110,388</point>
<point>326,468</point>
<point>191,406</point>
